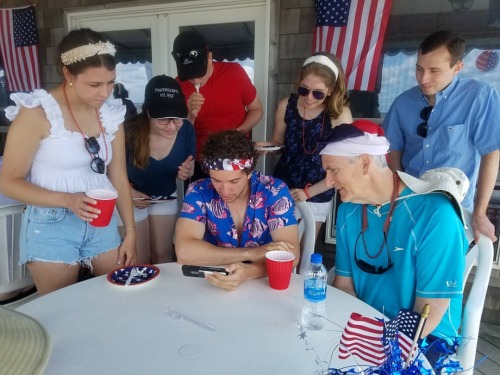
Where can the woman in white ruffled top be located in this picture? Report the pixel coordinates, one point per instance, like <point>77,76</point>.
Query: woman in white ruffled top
<point>61,144</point>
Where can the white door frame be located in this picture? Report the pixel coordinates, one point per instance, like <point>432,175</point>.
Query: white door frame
<point>164,21</point>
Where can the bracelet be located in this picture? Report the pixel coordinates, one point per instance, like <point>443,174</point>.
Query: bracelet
<point>129,228</point>
<point>306,191</point>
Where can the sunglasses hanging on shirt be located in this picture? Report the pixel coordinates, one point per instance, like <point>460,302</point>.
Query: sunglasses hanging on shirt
<point>363,265</point>
<point>370,268</point>
<point>91,144</point>
<point>424,115</point>
<point>96,164</point>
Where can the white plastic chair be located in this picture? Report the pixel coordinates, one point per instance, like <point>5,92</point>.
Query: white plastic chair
<point>13,277</point>
<point>482,255</point>
<point>307,234</point>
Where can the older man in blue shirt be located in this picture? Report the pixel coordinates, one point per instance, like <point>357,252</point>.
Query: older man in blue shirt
<point>446,121</point>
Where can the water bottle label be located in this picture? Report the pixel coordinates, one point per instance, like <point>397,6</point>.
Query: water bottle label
<point>314,290</point>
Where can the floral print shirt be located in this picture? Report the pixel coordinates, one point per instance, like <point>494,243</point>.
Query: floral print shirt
<point>270,207</point>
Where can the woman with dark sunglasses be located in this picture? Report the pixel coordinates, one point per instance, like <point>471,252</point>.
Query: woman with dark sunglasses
<point>320,103</point>
<point>62,143</point>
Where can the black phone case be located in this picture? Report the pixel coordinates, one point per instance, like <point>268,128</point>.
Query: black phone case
<point>199,271</point>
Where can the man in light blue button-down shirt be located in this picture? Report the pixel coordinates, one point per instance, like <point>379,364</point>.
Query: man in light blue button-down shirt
<point>446,121</point>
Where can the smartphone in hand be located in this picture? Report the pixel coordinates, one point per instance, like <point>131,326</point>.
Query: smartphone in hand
<point>201,271</point>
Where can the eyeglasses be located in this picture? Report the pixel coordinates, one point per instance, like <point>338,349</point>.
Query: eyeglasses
<point>317,94</point>
<point>97,164</point>
<point>167,120</point>
<point>190,55</point>
<point>424,115</point>
<point>369,268</point>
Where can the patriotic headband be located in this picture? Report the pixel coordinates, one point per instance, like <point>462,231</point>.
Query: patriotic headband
<point>323,60</point>
<point>89,50</point>
<point>360,137</point>
<point>228,164</point>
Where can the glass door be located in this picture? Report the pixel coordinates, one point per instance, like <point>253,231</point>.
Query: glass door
<point>144,36</point>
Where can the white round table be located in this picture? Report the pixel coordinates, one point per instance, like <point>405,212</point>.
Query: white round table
<point>100,328</point>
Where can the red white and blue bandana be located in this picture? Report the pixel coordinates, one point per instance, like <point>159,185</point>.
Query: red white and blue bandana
<point>228,164</point>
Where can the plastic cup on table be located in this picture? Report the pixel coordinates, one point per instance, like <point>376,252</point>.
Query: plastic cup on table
<point>106,200</point>
<point>279,268</point>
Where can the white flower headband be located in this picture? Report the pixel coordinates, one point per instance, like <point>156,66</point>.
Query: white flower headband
<point>89,50</point>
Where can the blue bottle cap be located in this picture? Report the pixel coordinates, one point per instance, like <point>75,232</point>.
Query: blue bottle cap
<point>316,258</point>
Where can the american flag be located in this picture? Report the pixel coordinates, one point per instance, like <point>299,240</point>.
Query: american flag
<point>19,48</point>
<point>353,30</point>
<point>368,338</point>
<point>404,328</point>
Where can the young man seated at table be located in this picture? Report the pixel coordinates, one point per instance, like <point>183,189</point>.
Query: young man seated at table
<point>400,240</point>
<point>237,215</point>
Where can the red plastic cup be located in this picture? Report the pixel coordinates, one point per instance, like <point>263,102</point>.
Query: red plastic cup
<point>106,200</point>
<point>279,268</point>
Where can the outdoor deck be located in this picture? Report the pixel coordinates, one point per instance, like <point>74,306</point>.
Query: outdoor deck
<point>489,346</point>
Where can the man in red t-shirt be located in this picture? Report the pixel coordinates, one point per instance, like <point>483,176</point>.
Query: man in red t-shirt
<point>220,96</point>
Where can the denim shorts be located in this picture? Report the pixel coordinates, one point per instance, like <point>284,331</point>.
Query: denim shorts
<point>57,235</point>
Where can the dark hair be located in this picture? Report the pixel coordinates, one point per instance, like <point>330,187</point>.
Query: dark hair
<point>81,37</point>
<point>229,144</point>
<point>452,41</point>
<point>338,98</point>
<point>119,91</point>
<point>137,132</point>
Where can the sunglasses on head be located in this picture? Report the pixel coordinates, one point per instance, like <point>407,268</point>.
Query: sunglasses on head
<point>97,164</point>
<point>370,268</point>
<point>189,55</point>
<point>317,94</point>
<point>424,115</point>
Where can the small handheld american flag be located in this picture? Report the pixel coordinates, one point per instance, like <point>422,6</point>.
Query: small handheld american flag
<point>370,338</point>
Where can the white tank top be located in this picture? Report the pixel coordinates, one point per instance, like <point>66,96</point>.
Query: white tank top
<point>62,163</point>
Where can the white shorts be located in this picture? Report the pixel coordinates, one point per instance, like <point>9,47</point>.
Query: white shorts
<point>162,208</point>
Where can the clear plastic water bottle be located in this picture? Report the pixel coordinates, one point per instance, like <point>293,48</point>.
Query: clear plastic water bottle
<point>314,310</point>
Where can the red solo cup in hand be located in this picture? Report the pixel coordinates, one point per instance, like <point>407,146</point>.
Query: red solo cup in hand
<point>279,268</point>
<point>106,200</point>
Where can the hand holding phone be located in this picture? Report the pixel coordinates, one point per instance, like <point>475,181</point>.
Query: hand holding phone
<point>201,271</point>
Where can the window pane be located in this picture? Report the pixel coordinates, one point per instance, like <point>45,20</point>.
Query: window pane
<point>134,56</point>
<point>398,73</point>
<point>134,76</point>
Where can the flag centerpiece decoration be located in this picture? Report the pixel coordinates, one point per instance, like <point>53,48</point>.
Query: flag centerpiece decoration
<point>353,30</point>
<point>19,48</point>
<point>370,338</point>
<point>387,347</point>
